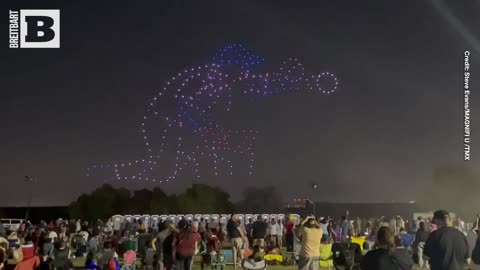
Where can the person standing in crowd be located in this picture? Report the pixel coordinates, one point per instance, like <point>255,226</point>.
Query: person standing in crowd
<point>109,225</point>
<point>386,256</point>
<point>280,233</point>
<point>195,226</point>
<point>157,242</point>
<point>61,257</point>
<point>421,237</point>
<point>248,229</point>
<point>473,240</point>
<point>368,229</point>
<point>78,226</point>
<point>259,232</point>
<point>83,232</point>
<point>62,234</point>
<point>393,225</point>
<point>135,225</point>
<point>202,226</point>
<point>107,254</point>
<point>433,226</point>
<point>186,246</point>
<point>311,237</point>
<point>47,248</point>
<point>336,232</point>
<point>272,228</point>
<point>202,230</point>
<point>324,226</point>
<point>446,248</point>
<point>290,234</point>
<point>345,227</point>
<point>416,225</point>
<point>400,224</point>
<point>358,226</point>
<point>3,231</point>
<point>168,248</point>
<point>235,233</point>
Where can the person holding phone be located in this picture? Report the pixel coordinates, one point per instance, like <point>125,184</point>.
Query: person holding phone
<point>311,235</point>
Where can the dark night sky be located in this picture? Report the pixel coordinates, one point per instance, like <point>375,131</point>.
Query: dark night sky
<point>397,117</point>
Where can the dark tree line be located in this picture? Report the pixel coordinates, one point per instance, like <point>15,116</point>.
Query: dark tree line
<point>107,201</point>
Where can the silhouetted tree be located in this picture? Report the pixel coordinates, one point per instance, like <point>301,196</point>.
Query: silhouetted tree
<point>261,200</point>
<point>99,204</point>
<point>107,201</point>
<point>160,202</point>
<point>201,198</point>
<point>140,201</point>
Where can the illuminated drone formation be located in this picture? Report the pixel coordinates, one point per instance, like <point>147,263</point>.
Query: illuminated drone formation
<point>179,129</point>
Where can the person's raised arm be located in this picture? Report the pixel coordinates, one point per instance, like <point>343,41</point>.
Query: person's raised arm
<point>242,234</point>
<point>153,243</point>
<point>240,230</point>
<point>305,220</point>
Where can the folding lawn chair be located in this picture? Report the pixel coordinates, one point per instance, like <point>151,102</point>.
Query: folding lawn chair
<point>326,255</point>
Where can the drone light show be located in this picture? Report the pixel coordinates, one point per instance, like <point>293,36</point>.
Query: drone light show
<point>180,131</point>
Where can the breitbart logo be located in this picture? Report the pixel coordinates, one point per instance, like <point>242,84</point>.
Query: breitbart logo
<point>34,28</point>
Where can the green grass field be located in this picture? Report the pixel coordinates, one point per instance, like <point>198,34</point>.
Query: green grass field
<point>80,262</point>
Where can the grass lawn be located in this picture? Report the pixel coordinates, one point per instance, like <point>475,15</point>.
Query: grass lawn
<point>79,263</point>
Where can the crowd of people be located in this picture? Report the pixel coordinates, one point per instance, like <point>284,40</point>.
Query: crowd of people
<point>441,242</point>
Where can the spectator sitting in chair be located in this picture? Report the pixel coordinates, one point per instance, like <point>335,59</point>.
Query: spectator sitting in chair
<point>273,250</point>
<point>212,246</point>
<point>257,254</point>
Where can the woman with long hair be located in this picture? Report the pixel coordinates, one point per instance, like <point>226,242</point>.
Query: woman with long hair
<point>421,237</point>
<point>185,246</point>
<point>386,256</point>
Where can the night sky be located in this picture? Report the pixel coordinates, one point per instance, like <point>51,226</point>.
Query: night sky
<point>397,115</point>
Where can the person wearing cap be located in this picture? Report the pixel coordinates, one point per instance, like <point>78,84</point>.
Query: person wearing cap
<point>446,248</point>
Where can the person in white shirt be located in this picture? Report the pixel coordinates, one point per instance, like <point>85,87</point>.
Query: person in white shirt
<point>109,225</point>
<point>273,230</point>
<point>280,233</point>
<point>52,235</point>
<point>384,222</point>
<point>393,226</point>
<point>78,226</point>
<point>84,234</point>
